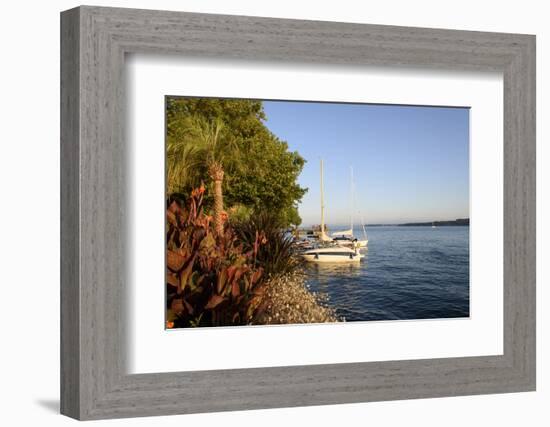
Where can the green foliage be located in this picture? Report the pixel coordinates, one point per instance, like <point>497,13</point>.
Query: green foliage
<point>196,145</point>
<point>239,213</point>
<point>211,280</point>
<point>260,171</point>
<point>276,256</point>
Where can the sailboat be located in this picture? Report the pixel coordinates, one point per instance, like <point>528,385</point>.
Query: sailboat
<point>346,237</point>
<point>333,254</point>
<point>329,251</point>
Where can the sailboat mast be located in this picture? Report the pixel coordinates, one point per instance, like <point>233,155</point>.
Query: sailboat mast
<point>322,202</point>
<point>351,199</point>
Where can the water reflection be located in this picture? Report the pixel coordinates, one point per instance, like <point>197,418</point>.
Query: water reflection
<point>336,269</point>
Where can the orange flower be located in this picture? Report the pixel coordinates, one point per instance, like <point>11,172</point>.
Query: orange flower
<point>169,324</point>
<point>196,192</point>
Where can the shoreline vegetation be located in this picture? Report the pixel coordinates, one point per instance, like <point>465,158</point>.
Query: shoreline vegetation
<point>247,275</point>
<point>231,193</point>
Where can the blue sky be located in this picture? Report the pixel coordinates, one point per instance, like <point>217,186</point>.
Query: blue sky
<point>411,163</point>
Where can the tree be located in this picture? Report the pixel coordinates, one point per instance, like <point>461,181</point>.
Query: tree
<point>202,147</point>
<point>259,172</point>
<point>216,174</point>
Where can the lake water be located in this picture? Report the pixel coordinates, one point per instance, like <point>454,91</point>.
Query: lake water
<point>407,273</point>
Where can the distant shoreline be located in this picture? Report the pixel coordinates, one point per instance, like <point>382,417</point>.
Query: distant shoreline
<point>460,221</point>
<point>457,222</point>
<point>417,225</point>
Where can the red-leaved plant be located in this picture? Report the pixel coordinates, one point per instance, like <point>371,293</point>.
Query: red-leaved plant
<point>211,280</point>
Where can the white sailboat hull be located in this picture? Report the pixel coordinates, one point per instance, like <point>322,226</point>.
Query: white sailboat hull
<point>332,255</point>
<point>349,244</point>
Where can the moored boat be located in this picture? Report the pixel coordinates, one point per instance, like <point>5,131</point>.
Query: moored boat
<point>332,254</point>
<point>346,238</point>
<point>343,248</point>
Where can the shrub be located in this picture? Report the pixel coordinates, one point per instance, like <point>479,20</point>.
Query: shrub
<point>211,279</point>
<point>276,256</point>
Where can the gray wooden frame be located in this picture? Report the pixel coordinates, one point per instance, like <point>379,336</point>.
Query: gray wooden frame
<point>94,41</point>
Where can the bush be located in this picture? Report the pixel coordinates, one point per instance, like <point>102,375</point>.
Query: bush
<point>211,280</point>
<point>276,254</point>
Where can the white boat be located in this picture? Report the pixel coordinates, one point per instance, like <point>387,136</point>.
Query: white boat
<point>346,238</point>
<point>332,254</point>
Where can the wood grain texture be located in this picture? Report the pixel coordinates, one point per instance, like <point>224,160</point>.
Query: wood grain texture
<point>94,382</point>
<point>70,291</point>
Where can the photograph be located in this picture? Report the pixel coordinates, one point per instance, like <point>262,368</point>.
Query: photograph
<point>282,212</point>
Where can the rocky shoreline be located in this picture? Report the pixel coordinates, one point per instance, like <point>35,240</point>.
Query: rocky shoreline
<point>288,301</point>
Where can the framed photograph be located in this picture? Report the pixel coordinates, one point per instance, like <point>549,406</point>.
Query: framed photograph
<point>248,235</point>
<point>277,213</point>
